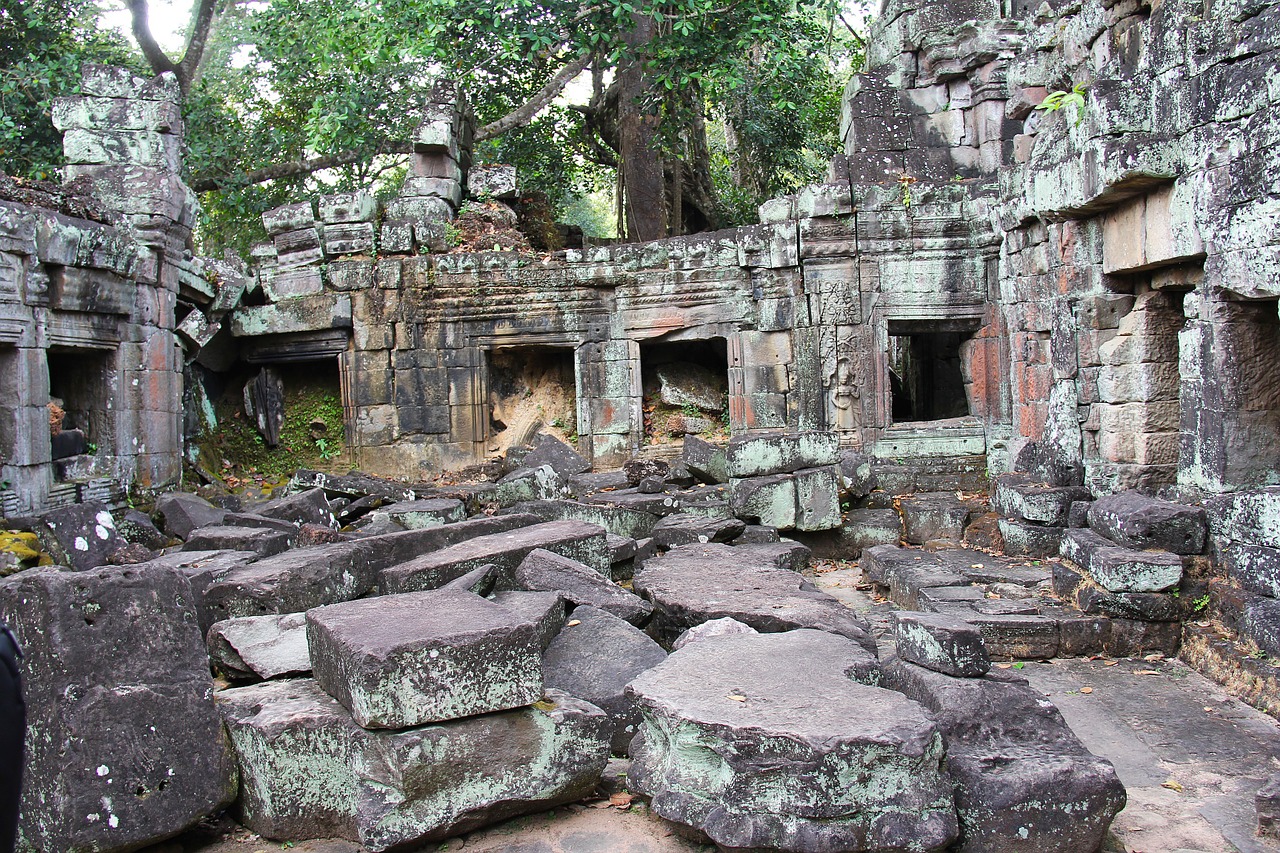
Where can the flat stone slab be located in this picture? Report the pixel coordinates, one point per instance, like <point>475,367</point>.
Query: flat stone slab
<point>769,741</point>
<point>594,658</point>
<point>308,771</point>
<point>577,540</point>
<point>930,516</point>
<point>217,537</point>
<point>543,571</point>
<point>1024,781</point>
<point>398,661</point>
<point>183,512</point>
<point>687,528</point>
<point>1120,569</point>
<point>696,583</point>
<point>429,512</point>
<point>617,520</point>
<point>1134,520</point>
<point>545,610</point>
<point>292,582</point>
<point>254,647</point>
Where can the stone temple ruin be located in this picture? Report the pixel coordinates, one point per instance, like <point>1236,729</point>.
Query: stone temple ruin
<point>997,334</point>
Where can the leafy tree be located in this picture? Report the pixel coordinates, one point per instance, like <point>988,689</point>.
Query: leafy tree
<point>42,46</point>
<point>289,96</point>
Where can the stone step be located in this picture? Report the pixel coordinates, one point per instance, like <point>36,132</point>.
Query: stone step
<point>1019,496</point>
<point>1119,569</point>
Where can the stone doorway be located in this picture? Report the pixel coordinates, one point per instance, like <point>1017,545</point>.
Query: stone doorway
<point>81,409</point>
<point>686,390</point>
<point>926,376</point>
<point>531,389</point>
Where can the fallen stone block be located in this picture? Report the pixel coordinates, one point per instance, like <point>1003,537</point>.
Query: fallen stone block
<point>941,643</point>
<point>576,540</point>
<point>125,747</point>
<point>183,513</point>
<point>259,522</point>
<point>309,507</point>
<point>354,485</point>
<point>643,469</point>
<point>762,455</point>
<point>655,503</point>
<point>594,658</point>
<point>1018,496</point>
<point>617,520</point>
<point>292,582</point>
<point>397,661</point>
<point>529,484</point>
<point>400,546</point>
<point>1023,779</point>
<point>1134,520</point>
<point>704,460</point>
<point>421,514</point>
<point>1119,569</point>
<point>818,498</point>
<point>1028,539</point>
<point>545,610</point>
<point>544,571</point>
<point>984,568</point>
<point>79,536</point>
<point>696,583</point>
<point>801,727</point>
<point>757,534</point>
<point>857,478</point>
<point>261,541</point>
<point>260,647</point>
<point>688,528</point>
<point>561,458</point>
<point>785,554</point>
<point>723,627</point>
<point>137,527</point>
<point>308,771</point>
<point>932,516</point>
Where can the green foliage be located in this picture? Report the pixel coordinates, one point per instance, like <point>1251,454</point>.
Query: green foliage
<point>1199,604</point>
<point>43,44</point>
<point>1062,98</point>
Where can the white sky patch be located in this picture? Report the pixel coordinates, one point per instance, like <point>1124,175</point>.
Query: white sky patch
<point>169,20</point>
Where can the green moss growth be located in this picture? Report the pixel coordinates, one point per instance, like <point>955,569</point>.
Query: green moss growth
<point>312,436</point>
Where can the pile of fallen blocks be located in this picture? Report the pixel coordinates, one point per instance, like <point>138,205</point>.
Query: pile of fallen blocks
<point>397,664</point>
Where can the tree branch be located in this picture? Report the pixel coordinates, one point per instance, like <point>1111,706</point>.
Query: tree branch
<point>158,59</point>
<point>522,116</point>
<point>202,23</point>
<point>294,168</point>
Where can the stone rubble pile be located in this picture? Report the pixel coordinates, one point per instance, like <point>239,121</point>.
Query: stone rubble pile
<point>408,663</point>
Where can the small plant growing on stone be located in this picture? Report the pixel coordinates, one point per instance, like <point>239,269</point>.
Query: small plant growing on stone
<point>1073,97</point>
<point>1199,604</point>
<point>906,181</point>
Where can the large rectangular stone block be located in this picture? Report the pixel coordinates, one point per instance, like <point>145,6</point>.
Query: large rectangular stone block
<point>397,661</point>
<point>760,455</point>
<point>124,746</point>
<point>577,540</point>
<point>308,771</point>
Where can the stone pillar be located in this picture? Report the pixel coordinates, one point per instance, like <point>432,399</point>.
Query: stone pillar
<point>125,135</point>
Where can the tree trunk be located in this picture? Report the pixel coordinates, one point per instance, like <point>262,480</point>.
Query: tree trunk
<point>641,163</point>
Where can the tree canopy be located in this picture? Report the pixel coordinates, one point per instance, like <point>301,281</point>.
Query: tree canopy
<point>717,104</point>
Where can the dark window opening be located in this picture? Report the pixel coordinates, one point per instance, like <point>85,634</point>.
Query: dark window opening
<point>925,376</point>
<point>81,386</point>
<point>686,389</point>
<point>532,389</point>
